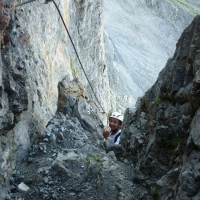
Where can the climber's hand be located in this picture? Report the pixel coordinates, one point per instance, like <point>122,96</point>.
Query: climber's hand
<point>106,132</point>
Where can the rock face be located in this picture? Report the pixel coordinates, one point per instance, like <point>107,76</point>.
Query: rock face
<point>36,54</point>
<point>50,127</point>
<point>162,135</point>
<point>140,36</point>
<point>69,161</point>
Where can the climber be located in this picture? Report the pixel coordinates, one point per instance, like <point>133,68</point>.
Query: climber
<point>114,130</point>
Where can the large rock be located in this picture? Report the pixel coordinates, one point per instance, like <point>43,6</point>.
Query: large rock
<point>162,135</point>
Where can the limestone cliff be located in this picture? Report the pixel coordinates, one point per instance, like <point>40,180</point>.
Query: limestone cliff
<point>141,36</point>
<point>36,54</point>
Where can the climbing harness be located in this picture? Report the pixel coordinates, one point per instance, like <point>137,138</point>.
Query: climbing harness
<point>47,1</point>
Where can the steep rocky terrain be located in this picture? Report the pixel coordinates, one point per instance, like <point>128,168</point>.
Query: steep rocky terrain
<point>51,145</point>
<point>162,136</point>
<point>140,36</point>
<point>36,54</point>
<point>69,161</point>
<point>159,154</point>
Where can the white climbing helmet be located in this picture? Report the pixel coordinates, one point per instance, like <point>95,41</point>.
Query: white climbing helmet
<point>117,115</point>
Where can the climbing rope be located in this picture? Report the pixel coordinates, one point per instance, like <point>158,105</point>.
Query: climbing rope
<point>47,1</point>
<point>78,56</point>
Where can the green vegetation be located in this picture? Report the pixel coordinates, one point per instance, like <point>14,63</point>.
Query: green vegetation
<point>183,4</point>
<point>74,69</point>
<point>173,143</point>
<point>143,103</point>
<point>154,192</point>
<point>93,158</point>
<point>157,101</point>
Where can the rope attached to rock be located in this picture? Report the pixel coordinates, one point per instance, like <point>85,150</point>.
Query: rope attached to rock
<point>47,1</point>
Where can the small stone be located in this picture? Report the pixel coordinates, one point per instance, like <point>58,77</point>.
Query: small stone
<point>45,139</point>
<point>72,194</point>
<point>48,134</point>
<point>54,155</point>
<point>30,159</point>
<point>46,179</point>
<point>23,187</point>
<point>51,182</point>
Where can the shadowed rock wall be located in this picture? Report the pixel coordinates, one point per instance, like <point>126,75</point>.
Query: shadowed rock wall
<point>161,136</point>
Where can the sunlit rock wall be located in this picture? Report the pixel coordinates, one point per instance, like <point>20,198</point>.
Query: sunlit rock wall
<point>36,54</point>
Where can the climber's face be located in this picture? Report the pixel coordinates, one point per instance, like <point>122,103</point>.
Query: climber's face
<point>114,124</point>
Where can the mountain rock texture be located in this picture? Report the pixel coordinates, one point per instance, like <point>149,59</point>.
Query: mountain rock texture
<point>162,136</point>
<point>51,144</point>
<point>69,161</point>
<point>36,54</point>
<point>140,36</point>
